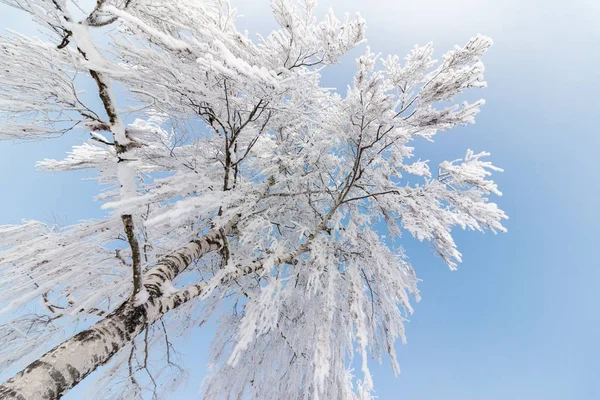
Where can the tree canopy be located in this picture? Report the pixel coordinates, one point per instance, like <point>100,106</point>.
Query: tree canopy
<point>236,187</point>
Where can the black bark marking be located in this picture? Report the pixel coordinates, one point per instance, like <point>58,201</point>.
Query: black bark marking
<point>115,347</point>
<point>58,377</point>
<point>49,394</point>
<point>10,394</point>
<point>186,259</point>
<point>33,366</point>
<point>120,333</point>
<point>153,289</point>
<point>86,336</point>
<point>75,375</point>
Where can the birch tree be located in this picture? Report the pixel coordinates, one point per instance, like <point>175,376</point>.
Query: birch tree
<point>236,188</point>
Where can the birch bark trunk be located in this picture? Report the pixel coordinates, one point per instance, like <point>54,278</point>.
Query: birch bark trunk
<point>69,363</point>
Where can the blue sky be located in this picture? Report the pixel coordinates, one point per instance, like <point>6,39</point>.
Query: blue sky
<point>519,319</point>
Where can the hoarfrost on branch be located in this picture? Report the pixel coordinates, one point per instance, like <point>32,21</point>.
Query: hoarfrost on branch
<point>235,186</point>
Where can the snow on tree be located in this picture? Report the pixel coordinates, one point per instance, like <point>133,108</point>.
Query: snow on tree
<point>235,187</point>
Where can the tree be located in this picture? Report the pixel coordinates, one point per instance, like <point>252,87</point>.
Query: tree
<point>236,187</point>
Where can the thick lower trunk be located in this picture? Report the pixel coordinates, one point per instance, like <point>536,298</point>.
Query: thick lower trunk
<point>70,362</point>
<point>67,364</point>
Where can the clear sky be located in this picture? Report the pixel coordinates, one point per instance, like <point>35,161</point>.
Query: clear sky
<point>519,320</point>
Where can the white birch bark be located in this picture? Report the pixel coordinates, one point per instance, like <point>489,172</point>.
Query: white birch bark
<point>172,265</point>
<point>66,365</point>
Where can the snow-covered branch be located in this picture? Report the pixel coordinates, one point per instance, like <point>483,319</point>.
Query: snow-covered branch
<point>232,180</point>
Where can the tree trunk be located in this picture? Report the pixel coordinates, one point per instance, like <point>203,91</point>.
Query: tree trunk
<point>70,362</point>
<point>67,364</point>
<point>172,265</point>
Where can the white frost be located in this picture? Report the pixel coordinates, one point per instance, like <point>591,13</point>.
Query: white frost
<point>304,192</point>
<point>141,297</point>
<point>168,288</point>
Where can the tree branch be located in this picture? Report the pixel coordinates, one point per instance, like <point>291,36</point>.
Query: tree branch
<point>135,253</point>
